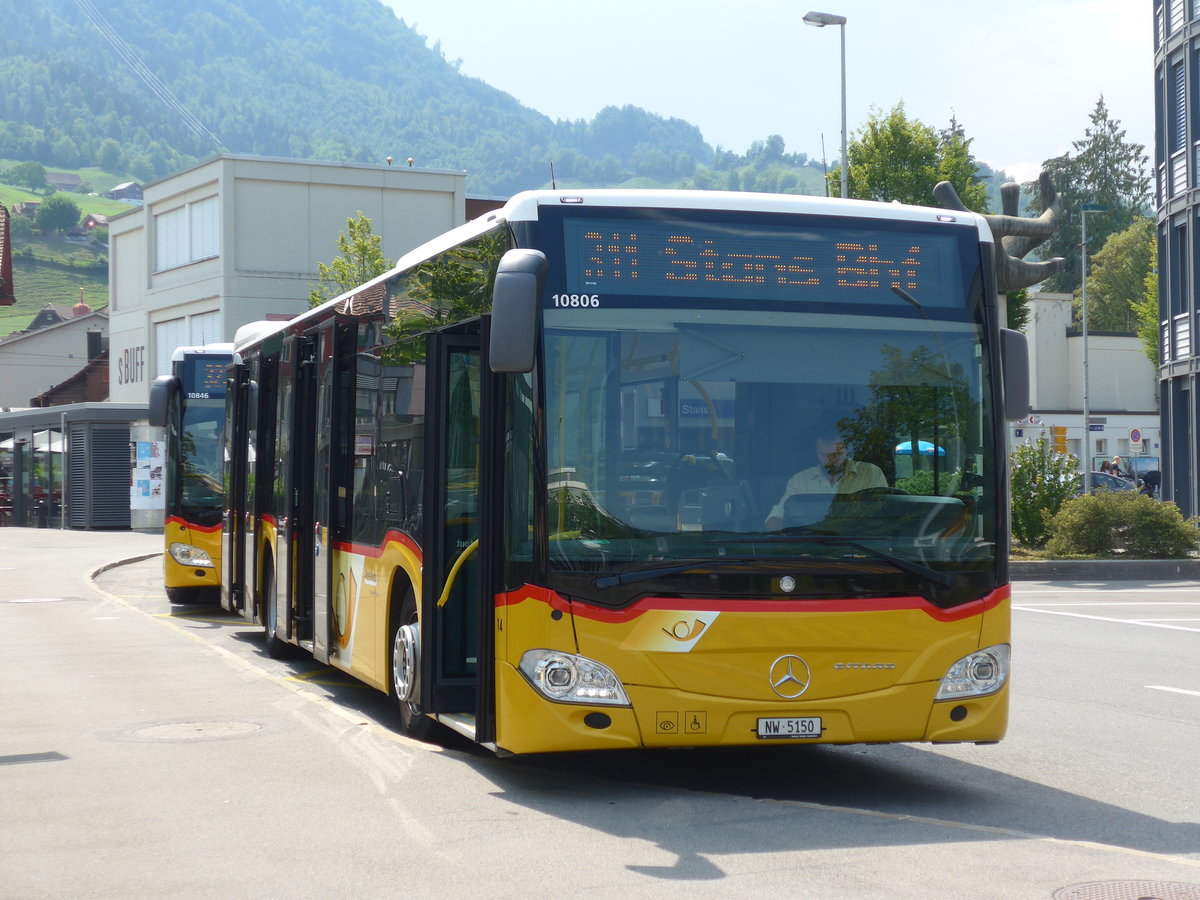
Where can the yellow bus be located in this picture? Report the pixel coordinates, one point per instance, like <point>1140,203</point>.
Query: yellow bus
<point>190,405</point>
<point>611,469</point>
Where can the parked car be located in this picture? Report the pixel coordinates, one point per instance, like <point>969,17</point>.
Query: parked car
<point>1102,481</point>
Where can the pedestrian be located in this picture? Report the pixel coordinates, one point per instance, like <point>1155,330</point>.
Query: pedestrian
<point>1105,467</point>
<point>1115,468</point>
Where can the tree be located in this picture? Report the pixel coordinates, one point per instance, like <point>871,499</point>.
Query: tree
<point>27,174</point>
<point>361,260</point>
<point>1145,309</point>
<point>1042,481</point>
<point>110,156</point>
<point>56,213</point>
<point>957,166</point>
<point>1017,303</point>
<point>1117,278</point>
<point>893,158</point>
<point>1107,170</point>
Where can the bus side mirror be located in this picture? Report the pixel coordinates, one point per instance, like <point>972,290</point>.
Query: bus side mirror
<point>515,298</point>
<point>1014,357</point>
<point>162,396</point>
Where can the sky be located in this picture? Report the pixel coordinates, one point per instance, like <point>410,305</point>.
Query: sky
<point>1020,76</point>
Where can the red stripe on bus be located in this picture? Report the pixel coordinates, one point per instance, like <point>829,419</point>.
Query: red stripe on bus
<point>852,604</point>
<point>392,537</point>
<point>183,523</point>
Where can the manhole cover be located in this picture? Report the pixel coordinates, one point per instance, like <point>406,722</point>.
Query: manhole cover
<point>197,731</point>
<point>1129,890</point>
<point>187,730</point>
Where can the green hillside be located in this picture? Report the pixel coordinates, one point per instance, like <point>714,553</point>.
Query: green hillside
<point>150,86</point>
<point>53,269</point>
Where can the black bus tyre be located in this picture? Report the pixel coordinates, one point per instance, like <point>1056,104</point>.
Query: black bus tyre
<point>276,648</point>
<point>404,664</point>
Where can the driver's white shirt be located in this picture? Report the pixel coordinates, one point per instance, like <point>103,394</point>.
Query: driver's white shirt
<point>815,480</point>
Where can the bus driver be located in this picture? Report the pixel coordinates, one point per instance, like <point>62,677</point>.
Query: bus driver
<point>836,471</point>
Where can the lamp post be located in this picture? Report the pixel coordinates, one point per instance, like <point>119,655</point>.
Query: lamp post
<point>820,20</point>
<point>1083,315</point>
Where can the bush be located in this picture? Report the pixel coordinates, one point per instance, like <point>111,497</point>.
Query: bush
<point>1042,480</point>
<point>1097,524</point>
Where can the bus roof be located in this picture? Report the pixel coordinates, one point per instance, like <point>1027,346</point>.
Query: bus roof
<point>523,207</point>
<point>201,350</point>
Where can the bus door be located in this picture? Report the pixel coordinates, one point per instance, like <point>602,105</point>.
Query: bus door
<point>325,358</point>
<point>233,528</point>
<point>463,498</point>
<point>300,502</point>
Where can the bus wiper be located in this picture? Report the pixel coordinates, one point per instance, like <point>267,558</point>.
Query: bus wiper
<point>941,579</point>
<point>726,562</point>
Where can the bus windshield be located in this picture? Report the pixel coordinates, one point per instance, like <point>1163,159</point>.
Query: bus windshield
<point>200,492</point>
<point>715,428</point>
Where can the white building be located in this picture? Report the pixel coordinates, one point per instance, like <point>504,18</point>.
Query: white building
<point>237,239</point>
<point>35,361</point>
<point>1122,387</point>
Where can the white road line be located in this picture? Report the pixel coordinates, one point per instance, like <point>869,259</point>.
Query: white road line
<point>1091,589</point>
<point>1159,687</point>
<point>1106,603</point>
<point>1056,612</point>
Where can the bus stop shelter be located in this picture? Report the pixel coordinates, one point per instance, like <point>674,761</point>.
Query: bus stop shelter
<point>67,466</point>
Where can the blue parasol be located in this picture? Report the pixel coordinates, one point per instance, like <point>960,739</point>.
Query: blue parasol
<point>924,448</point>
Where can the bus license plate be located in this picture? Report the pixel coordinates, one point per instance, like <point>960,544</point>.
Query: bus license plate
<point>794,728</point>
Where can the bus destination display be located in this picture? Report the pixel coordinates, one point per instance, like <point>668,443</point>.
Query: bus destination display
<point>205,378</point>
<point>620,257</point>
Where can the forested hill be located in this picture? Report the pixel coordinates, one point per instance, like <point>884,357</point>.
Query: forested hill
<point>84,81</point>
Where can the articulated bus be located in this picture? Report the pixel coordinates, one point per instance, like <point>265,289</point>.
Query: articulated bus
<point>561,481</point>
<point>190,404</point>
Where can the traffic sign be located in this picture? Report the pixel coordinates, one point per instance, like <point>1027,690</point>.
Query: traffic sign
<point>1135,435</point>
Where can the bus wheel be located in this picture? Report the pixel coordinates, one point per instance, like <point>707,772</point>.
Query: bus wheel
<point>276,648</point>
<point>406,671</point>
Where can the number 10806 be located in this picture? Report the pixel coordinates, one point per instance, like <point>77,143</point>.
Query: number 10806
<point>575,301</point>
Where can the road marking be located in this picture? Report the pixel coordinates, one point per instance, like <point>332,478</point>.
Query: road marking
<point>1017,833</point>
<point>1160,687</point>
<point>1142,622</point>
<point>1189,588</point>
<point>299,688</point>
<point>1107,603</point>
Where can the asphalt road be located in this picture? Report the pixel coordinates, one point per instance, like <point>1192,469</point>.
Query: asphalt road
<point>151,751</point>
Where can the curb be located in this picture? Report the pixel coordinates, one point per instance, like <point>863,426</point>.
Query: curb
<point>1102,570</point>
<point>124,562</point>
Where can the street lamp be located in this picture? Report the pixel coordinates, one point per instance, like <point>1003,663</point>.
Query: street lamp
<point>1087,425</point>
<point>820,20</point>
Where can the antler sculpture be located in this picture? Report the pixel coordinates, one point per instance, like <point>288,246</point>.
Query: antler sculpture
<point>1015,236</point>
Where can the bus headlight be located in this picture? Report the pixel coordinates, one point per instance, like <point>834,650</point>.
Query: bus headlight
<point>187,555</point>
<point>982,672</point>
<point>566,678</point>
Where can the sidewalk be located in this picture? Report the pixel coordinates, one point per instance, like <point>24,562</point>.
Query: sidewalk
<point>1104,570</point>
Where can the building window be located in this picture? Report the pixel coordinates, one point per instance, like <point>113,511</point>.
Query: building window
<point>1176,16</point>
<point>187,234</point>
<point>168,336</point>
<point>206,328</point>
<point>1177,128</point>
